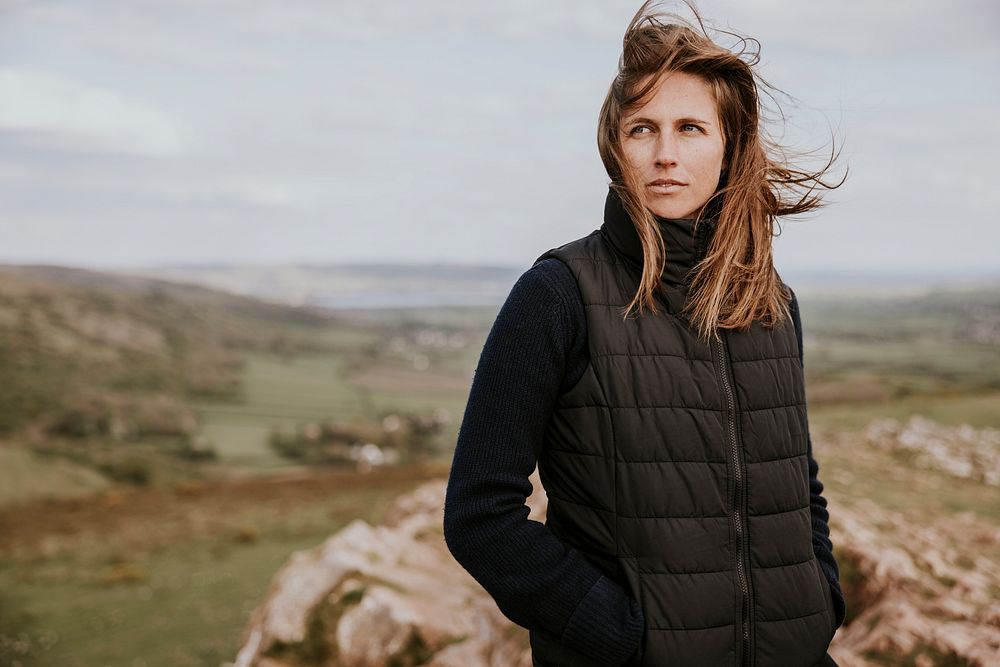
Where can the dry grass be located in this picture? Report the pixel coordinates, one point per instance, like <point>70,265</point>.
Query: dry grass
<point>143,520</point>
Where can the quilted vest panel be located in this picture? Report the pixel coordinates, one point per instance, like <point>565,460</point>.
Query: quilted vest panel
<point>679,468</point>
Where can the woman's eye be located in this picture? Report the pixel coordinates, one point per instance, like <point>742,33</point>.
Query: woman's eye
<point>690,125</point>
<point>635,130</point>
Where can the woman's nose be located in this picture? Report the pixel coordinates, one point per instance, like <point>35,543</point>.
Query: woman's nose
<point>666,151</point>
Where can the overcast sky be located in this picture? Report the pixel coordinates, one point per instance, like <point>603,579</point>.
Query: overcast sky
<point>145,132</point>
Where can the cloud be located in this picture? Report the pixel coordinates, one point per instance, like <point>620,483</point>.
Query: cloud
<point>436,130</point>
<point>82,117</point>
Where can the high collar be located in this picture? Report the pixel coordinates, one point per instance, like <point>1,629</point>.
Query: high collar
<point>684,245</point>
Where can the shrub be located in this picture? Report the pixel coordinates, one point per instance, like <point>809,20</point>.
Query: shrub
<point>130,470</point>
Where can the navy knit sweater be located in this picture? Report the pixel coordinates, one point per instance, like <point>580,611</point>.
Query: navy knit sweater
<point>536,350</point>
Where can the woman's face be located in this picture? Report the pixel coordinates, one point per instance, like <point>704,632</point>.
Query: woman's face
<point>676,136</point>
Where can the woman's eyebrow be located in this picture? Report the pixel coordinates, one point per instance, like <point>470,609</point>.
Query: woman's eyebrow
<point>693,120</point>
<point>650,121</point>
<point>641,119</point>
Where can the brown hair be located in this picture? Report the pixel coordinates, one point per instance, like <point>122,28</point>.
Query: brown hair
<point>736,282</point>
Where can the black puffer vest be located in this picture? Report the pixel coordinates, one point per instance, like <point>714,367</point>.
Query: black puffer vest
<point>679,468</point>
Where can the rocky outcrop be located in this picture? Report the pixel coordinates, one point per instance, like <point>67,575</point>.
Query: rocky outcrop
<point>920,590</point>
<point>917,594</point>
<point>384,595</point>
<point>961,451</point>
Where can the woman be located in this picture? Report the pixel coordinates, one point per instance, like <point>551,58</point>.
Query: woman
<point>653,371</point>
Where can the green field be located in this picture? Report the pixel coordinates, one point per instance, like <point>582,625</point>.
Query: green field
<point>279,393</point>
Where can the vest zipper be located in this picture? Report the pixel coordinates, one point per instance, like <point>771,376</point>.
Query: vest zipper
<point>739,511</point>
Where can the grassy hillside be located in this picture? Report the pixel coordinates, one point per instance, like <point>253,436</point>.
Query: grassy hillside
<point>937,354</point>
<point>69,332</point>
<point>143,381</point>
<point>160,576</point>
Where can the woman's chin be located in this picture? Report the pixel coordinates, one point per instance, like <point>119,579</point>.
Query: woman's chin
<point>673,212</point>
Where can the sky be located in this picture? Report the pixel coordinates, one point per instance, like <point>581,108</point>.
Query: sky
<point>153,132</point>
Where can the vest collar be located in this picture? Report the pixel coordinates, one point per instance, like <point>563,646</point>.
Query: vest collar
<point>684,245</point>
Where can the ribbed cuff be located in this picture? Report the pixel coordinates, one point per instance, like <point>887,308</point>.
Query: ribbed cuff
<point>607,624</point>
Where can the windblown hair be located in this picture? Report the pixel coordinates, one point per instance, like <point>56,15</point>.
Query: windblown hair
<point>736,282</point>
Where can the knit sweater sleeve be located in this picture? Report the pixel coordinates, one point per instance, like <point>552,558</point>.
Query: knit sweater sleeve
<point>537,581</point>
<point>822,545</point>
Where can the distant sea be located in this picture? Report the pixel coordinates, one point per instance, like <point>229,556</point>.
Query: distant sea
<point>380,286</point>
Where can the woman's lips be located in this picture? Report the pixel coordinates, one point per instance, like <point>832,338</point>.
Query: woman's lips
<point>664,188</point>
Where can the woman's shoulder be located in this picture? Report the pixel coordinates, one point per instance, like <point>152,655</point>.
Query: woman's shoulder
<point>545,308</point>
<point>547,290</point>
<point>554,275</point>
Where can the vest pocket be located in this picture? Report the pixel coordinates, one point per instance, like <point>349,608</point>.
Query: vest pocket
<point>629,568</point>
<point>830,607</point>
<point>827,593</point>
